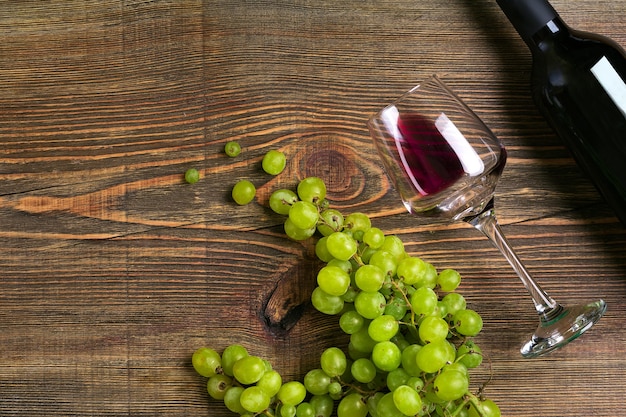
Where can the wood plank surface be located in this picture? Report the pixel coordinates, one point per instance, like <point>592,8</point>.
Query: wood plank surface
<point>113,270</point>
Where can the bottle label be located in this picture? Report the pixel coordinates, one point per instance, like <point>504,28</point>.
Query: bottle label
<point>612,83</point>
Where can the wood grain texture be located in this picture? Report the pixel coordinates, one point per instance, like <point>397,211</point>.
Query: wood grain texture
<point>113,270</point>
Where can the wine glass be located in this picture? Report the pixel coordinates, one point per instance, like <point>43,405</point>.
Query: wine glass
<point>444,162</point>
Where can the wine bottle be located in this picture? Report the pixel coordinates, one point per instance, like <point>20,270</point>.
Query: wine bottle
<point>578,83</point>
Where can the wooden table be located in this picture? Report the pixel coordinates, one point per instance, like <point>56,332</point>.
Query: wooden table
<point>113,270</point>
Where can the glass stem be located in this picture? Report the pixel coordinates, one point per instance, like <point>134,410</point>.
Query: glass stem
<point>487,223</point>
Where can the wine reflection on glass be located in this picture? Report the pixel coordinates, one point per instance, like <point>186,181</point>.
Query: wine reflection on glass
<point>445,162</point>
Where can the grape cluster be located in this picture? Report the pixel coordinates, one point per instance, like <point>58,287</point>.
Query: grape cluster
<point>410,333</point>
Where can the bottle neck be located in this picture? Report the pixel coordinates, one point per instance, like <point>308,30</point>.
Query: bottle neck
<point>529,17</point>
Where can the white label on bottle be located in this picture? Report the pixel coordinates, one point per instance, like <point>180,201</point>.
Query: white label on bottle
<point>611,82</point>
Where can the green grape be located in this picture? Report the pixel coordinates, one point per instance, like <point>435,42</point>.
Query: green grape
<point>321,250</point>
<point>352,405</point>
<point>274,162</point>
<point>243,192</point>
<point>296,233</point>
<point>487,409</point>
<point>192,176</point>
<point>385,261</point>
<point>451,385</point>
<point>230,355</point>
<point>206,361</point>
<point>287,410</point>
<point>232,400</point>
<point>362,341</point>
<point>271,381</point>
<point>281,201</point>
<point>305,409</point>
<point>456,366</point>
<point>409,360</point>
<point>254,399</point>
<point>433,356</point>
<point>217,385</point>
<point>386,407</point>
<point>341,245</point>
<point>357,224</point>
<point>323,404</point>
<point>383,328</point>
<point>396,378</point>
<point>249,369</point>
<point>366,253</point>
<point>303,214</point>
<point>370,304</point>
<point>393,245</point>
<point>326,303</point>
<point>363,370</point>
<point>316,381</point>
<point>407,400</point>
<point>412,270</point>
<point>369,278</point>
<point>232,148</point>
<point>433,328</point>
<point>372,403</point>
<point>416,383</point>
<point>469,354</point>
<point>292,393</point>
<point>441,310</point>
<point>374,237</point>
<point>345,265</point>
<point>424,301</point>
<point>454,302</point>
<point>335,389</point>
<point>396,307</point>
<point>333,362</point>
<point>448,280</point>
<point>467,322</point>
<point>349,295</point>
<point>386,356</point>
<point>312,189</point>
<point>333,280</point>
<point>331,221</point>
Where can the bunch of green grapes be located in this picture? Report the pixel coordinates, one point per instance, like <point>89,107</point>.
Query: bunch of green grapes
<point>410,333</point>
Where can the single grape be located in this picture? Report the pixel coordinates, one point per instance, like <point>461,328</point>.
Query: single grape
<point>469,354</point>
<point>232,400</point>
<point>192,176</point>
<point>383,328</point>
<point>424,301</point>
<point>333,362</point>
<point>206,361</point>
<point>352,405</point>
<point>217,385</point>
<point>296,233</point>
<point>396,307</point>
<point>487,409</point>
<point>412,270</point>
<point>362,341</point>
<point>351,322</point>
<point>254,399</point>
<point>363,370</point>
<point>303,214</point>
<point>451,385</point>
<point>448,280</point>
<point>230,355</point>
<point>232,148</point>
<point>407,400</point>
<point>281,201</point>
<point>385,261</point>
<point>454,302</point>
<point>321,250</point>
<point>305,409</point>
<point>249,369</point>
<point>345,265</point>
<point>433,328</point>
<point>335,389</point>
<point>331,221</point>
<point>324,405</point>
<point>386,407</point>
<point>386,356</point>
<point>341,245</point>
<point>409,360</point>
<point>374,237</point>
<point>370,304</point>
<point>396,378</point>
<point>467,322</point>
<point>287,410</point>
<point>292,393</point>
<point>312,189</point>
<point>433,356</point>
<point>369,278</point>
<point>357,224</point>
<point>394,245</point>
<point>243,192</point>
<point>271,381</point>
<point>333,280</point>
<point>326,303</point>
<point>274,162</point>
<point>316,381</point>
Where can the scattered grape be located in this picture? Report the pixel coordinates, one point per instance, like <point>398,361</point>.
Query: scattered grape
<point>274,162</point>
<point>243,192</point>
<point>232,148</point>
<point>192,176</point>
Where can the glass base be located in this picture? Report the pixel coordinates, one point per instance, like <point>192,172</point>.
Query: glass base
<point>561,326</point>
